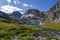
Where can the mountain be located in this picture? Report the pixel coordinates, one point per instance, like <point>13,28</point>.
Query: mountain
<point>35,12</point>
<point>33,16</point>
<point>32,11</point>
<point>15,15</point>
<point>4,15</point>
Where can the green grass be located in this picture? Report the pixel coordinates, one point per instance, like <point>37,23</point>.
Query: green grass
<point>54,26</point>
<point>11,29</point>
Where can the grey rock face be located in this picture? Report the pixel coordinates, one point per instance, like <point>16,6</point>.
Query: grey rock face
<point>33,16</point>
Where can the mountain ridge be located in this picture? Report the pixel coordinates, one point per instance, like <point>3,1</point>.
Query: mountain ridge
<point>31,16</point>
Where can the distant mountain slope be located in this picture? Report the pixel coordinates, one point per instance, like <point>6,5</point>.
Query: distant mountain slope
<point>33,16</point>
<point>4,15</point>
<point>16,14</point>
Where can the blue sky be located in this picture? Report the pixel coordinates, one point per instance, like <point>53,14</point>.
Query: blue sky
<point>41,5</point>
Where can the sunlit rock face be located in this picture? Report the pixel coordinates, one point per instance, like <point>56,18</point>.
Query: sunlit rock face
<point>33,16</point>
<point>54,12</point>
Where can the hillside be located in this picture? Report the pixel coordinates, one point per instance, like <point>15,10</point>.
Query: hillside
<point>10,29</point>
<point>54,26</point>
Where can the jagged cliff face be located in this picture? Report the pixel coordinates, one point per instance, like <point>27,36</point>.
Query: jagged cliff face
<point>33,16</point>
<point>54,12</point>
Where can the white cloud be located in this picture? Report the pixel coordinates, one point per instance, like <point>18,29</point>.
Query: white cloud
<point>9,1</point>
<point>9,9</point>
<point>15,2</point>
<point>27,5</point>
